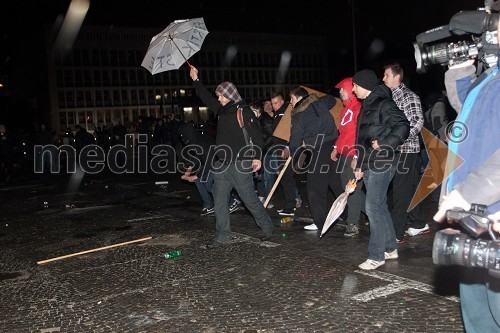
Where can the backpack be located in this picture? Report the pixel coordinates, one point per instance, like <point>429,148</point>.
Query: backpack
<point>252,131</point>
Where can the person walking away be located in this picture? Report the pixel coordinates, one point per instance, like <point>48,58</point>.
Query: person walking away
<point>407,175</point>
<point>313,125</point>
<point>382,127</point>
<point>344,153</point>
<point>236,161</point>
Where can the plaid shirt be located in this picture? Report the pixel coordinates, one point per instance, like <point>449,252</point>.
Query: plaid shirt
<point>409,103</point>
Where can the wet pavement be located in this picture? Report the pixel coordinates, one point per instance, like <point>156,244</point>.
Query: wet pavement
<point>295,283</point>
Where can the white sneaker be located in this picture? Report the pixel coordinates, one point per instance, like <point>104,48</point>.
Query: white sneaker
<point>369,264</point>
<point>391,255</point>
<point>311,227</point>
<point>415,232</point>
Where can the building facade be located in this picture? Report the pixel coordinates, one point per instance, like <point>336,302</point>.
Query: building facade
<point>101,77</point>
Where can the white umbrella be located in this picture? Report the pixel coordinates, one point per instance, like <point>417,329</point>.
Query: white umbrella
<point>175,45</point>
<point>338,206</point>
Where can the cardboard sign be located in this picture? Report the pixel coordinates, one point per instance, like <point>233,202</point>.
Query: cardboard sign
<point>282,131</point>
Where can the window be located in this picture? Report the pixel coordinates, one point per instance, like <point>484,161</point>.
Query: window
<point>107,97</point>
<point>78,78</point>
<point>98,98</point>
<point>115,78</point>
<point>68,79</point>
<point>105,78</point>
<point>70,99</point>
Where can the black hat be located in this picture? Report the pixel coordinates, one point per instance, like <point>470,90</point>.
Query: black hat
<point>365,78</point>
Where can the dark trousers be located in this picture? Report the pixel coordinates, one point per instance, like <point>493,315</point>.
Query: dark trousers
<point>289,188</point>
<point>238,176</point>
<point>318,179</point>
<point>404,186</point>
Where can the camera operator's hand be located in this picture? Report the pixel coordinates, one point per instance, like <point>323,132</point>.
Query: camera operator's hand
<point>496,221</point>
<point>450,201</point>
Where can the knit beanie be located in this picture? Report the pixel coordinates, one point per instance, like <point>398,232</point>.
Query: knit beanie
<point>365,78</point>
<point>229,91</point>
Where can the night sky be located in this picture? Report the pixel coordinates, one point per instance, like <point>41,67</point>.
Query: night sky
<point>383,30</point>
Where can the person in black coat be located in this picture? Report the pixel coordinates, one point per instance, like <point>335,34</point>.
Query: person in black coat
<point>382,127</point>
<point>237,157</point>
<point>313,125</point>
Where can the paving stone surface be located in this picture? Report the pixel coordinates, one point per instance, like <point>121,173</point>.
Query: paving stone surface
<point>295,283</point>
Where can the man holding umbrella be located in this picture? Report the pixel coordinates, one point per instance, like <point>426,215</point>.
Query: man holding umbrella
<point>237,157</point>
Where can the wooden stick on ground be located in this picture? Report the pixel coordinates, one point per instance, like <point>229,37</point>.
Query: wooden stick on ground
<point>93,250</point>
<point>270,195</point>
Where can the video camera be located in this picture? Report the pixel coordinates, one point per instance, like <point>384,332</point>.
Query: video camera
<point>480,24</point>
<point>451,247</point>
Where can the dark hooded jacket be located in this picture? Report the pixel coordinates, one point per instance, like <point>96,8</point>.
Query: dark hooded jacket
<point>230,141</point>
<point>311,117</point>
<point>380,119</point>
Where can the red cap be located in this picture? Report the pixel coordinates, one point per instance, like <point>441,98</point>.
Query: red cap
<point>345,83</point>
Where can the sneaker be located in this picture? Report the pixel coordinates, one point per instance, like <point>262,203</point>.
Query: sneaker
<point>207,211</point>
<point>235,205</point>
<point>415,232</point>
<point>369,264</point>
<point>400,241</point>
<point>298,202</point>
<point>351,231</point>
<point>216,245</point>
<point>311,227</point>
<point>286,213</point>
<point>391,255</point>
<point>282,210</point>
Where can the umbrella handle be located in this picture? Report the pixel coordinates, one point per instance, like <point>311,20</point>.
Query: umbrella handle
<point>178,49</point>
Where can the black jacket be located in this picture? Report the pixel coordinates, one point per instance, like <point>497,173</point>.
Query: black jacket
<point>229,140</point>
<point>380,119</point>
<point>196,150</point>
<point>311,117</point>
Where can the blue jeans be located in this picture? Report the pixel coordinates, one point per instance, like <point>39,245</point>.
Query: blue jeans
<point>205,189</point>
<point>238,176</point>
<point>480,300</point>
<point>382,235</point>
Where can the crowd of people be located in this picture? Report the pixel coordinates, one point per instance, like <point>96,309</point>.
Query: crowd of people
<point>377,142</point>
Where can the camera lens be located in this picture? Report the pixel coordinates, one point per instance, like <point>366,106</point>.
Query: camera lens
<point>454,248</point>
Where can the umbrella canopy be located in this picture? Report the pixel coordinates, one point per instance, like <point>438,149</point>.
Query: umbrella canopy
<point>338,206</point>
<point>175,45</point>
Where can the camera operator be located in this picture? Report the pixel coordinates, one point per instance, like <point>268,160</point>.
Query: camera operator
<point>477,180</point>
